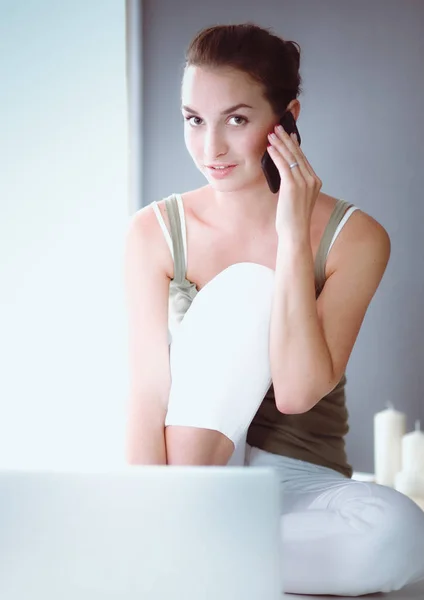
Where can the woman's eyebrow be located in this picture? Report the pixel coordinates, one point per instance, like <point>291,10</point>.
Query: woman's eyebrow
<point>224,112</point>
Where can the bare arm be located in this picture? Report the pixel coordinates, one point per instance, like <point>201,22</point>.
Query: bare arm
<point>311,340</point>
<point>147,293</point>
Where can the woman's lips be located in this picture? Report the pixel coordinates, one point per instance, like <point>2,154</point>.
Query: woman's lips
<point>221,173</point>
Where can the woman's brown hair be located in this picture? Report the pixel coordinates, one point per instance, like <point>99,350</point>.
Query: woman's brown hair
<point>266,57</point>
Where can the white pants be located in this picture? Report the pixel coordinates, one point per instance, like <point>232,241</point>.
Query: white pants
<point>339,536</point>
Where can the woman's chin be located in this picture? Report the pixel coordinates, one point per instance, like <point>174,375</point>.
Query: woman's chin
<point>235,185</point>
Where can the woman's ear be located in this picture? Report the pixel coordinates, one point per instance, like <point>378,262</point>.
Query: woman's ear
<point>294,108</point>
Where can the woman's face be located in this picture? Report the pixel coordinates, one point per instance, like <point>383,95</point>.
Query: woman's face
<point>218,130</point>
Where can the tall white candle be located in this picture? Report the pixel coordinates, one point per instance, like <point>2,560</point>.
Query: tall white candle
<point>413,451</point>
<point>389,428</point>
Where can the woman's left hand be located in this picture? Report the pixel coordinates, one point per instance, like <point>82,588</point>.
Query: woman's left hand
<point>299,187</point>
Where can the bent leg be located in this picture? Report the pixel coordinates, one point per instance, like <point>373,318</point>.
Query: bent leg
<point>220,366</point>
<point>344,537</point>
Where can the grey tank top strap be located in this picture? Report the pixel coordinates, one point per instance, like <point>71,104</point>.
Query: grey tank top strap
<point>177,239</point>
<point>321,257</point>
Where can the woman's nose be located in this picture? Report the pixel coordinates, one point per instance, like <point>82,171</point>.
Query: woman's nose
<point>214,145</point>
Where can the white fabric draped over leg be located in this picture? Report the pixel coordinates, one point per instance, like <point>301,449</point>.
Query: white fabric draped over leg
<point>340,536</point>
<point>219,356</point>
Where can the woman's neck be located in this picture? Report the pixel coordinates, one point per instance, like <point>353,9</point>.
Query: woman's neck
<point>243,208</point>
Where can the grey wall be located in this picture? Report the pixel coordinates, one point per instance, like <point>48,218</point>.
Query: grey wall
<point>362,128</point>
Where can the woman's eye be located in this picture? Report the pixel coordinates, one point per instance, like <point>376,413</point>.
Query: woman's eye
<point>238,118</point>
<point>190,118</point>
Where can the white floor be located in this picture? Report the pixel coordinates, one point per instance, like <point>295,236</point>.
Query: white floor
<point>411,592</point>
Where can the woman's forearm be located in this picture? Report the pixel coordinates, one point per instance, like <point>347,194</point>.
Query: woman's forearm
<point>301,366</point>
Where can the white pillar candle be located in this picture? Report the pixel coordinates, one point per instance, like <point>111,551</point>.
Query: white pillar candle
<point>419,502</point>
<point>413,450</point>
<point>410,483</point>
<point>389,428</point>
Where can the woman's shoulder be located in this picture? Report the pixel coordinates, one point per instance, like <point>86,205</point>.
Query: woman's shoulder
<point>361,224</point>
<point>362,237</point>
<point>145,225</point>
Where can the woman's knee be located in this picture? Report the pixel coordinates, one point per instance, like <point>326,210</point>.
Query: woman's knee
<point>405,520</point>
<point>392,550</point>
<point>239,297</point>
<point>406,533</point>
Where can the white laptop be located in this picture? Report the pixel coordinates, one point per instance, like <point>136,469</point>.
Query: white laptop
<point>151,533</point>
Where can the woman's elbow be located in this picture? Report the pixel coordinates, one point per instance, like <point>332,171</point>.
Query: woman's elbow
<point>295,402</point>
<point>300,399</point>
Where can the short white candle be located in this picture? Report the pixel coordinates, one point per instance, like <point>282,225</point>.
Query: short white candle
<point>410,483</point>
<point>413,450</point>
<point>389,428</point>
<point>419,502</point>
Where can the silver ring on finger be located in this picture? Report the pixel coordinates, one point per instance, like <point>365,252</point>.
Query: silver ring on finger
<point>295,164</point>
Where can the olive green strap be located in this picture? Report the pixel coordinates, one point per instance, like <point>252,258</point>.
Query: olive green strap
<point>177,239</point>
<point>321,257</point>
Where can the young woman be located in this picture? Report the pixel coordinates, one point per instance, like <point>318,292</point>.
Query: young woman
<point>244,306</point>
